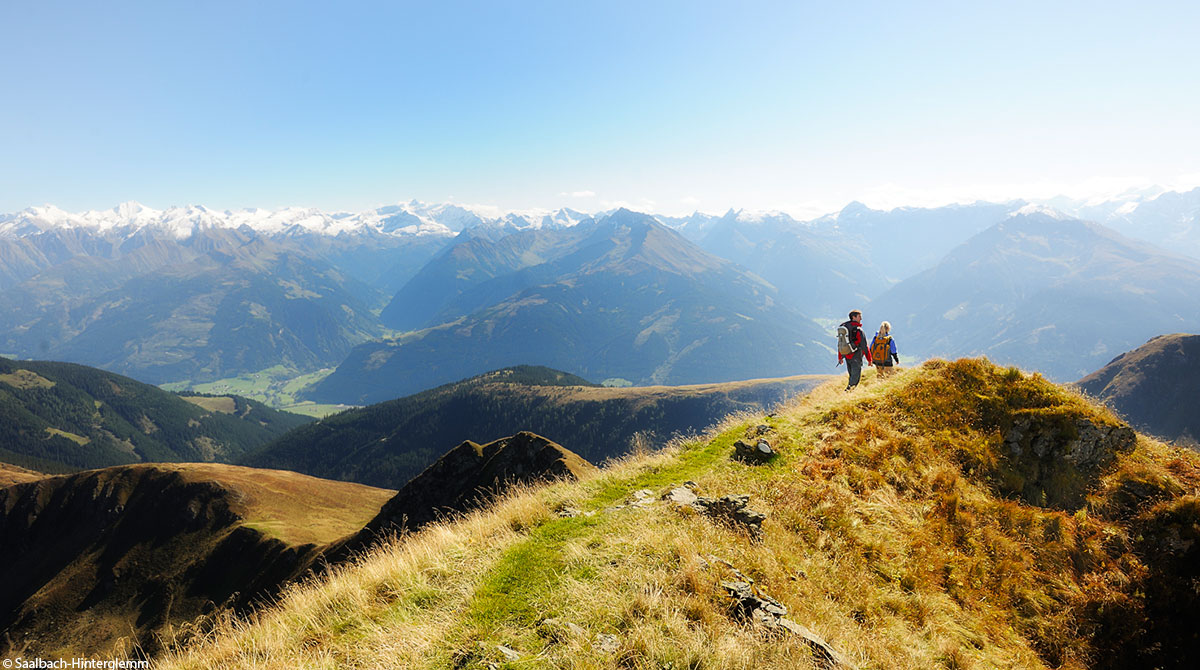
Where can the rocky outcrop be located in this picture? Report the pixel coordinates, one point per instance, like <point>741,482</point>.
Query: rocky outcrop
<point>467,477</point>
<point>1054,459</point>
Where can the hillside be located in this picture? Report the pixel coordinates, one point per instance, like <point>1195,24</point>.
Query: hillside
<point>11,474</point>
<point>1056,295</point>
<point>58,417</point>
<point>467,477</point>
<point>100,560</point>
<point>1154,387</point>
<point>634,300</point>
<point>957,515</point>
<point>389,443</point>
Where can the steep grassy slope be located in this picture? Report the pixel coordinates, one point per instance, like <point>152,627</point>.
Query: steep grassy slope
<point>104,559</point>
<point>389,443</point>
<point>958,515</point>
<point>11,474</point>
<point>1156,387</point>
<point>59,417</point>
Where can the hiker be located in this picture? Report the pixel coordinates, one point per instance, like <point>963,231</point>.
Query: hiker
<point>852,347</point>
<point>883,349</point>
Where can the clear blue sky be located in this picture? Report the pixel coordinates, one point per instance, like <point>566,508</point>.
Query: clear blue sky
<point>668,106</point>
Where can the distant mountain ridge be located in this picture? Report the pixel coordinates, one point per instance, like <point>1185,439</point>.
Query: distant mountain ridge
<point>1045,292</point>
<point>57,417</point>
<point>1155,387</point>
<point>192,294</point>
<point>629,298</point>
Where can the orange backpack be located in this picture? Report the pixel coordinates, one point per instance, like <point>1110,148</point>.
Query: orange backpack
<point>880,351</point>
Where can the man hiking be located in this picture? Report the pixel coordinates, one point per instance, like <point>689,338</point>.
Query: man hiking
<point>852,347</point>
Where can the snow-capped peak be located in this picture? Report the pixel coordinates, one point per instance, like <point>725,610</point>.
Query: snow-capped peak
<point>1043,210</point>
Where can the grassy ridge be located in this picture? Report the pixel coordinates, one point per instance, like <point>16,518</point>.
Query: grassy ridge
<point>897,530</point>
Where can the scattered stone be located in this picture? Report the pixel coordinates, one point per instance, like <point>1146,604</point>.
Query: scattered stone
<point>569,512</point>
<point>607,643</point>
<point>509,653</point>
<point>558,629</point>
<point>762,429</point>
<point>681,496</point>
<point>736,573</point>
<point>769,613</point>
<point>753,452</point>
<point>733,509</point>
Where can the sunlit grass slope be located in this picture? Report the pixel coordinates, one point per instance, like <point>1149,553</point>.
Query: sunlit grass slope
<point>902,528</point>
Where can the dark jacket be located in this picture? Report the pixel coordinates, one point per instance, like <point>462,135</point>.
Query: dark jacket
<point>857,340</point>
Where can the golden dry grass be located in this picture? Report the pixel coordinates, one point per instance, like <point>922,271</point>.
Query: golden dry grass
<point>886,535</point>
<point>295,508</point>
<point>12,474</point>
<point>223,404</point>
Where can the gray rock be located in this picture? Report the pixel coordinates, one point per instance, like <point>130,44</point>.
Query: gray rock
<point>733,509</point>
<point>509,653</point>
<point>769,613</point>
<point>681,496</point>
<point>607,643</point>
<point>753,451</point>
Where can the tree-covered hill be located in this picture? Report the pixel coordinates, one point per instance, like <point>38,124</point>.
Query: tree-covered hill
<point>389,443</point>
<point>59,417</point>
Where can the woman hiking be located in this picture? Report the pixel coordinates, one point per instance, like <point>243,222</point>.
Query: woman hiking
<point>883,350</point>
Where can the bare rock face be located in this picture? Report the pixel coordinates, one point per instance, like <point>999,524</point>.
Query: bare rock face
<point>1054,460</point>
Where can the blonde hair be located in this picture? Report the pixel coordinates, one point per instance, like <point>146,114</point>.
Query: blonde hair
<point>885,328</point>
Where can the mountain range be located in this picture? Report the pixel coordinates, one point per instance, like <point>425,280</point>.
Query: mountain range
<point>624,297</point>
<point>433,293</point>
<point>1044,292</point>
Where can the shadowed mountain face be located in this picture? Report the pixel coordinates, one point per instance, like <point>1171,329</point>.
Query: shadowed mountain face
<point>390,443</point>
<point>470,476</point>
<point>128,551</point>
<point>1155,387</point>
<point>634,300</point>
<point>60,417</point>
<point>1057,296</point>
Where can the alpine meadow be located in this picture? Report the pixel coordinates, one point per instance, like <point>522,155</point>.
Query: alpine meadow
<point>600,336</point>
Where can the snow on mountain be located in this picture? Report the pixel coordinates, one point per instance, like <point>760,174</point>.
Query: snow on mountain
<point>401,220</point>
